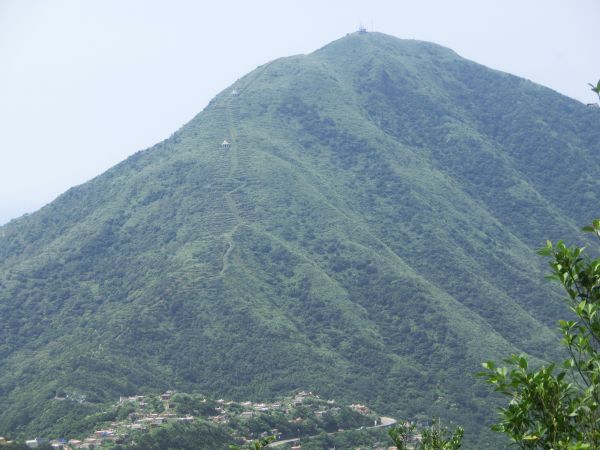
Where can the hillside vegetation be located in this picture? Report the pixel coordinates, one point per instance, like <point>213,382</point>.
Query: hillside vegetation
<point>369,235</point>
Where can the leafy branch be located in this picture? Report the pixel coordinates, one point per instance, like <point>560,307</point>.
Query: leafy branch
<point>554,408</point>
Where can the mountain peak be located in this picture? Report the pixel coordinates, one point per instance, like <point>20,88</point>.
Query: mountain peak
<point>380,44</point>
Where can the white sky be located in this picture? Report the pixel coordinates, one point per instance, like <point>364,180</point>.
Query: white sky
<point>84,84</point>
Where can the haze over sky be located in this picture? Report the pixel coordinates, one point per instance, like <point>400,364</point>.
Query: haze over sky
<point>84,84</point>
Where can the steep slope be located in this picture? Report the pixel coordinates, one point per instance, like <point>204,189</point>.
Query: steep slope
<point>369,234</point>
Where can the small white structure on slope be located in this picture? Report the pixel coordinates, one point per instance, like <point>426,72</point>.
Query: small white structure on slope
<point>225,144</point>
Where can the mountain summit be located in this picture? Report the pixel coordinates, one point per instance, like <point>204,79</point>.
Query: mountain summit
<point>359,222</point>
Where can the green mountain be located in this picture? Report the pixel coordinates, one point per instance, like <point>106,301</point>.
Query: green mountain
<point>369,234</point>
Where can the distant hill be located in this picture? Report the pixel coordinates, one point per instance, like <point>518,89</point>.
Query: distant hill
<point>368,234</point>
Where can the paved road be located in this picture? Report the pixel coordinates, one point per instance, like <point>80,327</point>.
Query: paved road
<point>385,422</point>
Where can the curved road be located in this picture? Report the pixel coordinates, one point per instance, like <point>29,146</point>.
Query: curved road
<point>385,422</point>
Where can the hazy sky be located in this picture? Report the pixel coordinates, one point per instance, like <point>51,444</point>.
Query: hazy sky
<point>84,84</point>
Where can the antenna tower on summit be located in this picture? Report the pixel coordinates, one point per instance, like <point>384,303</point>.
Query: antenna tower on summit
<point>362,29</point>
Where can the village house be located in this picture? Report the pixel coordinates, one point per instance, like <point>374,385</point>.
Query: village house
<point>33,443</point>
<point>362,409</point>
<point>134,398</point>
<point>167,395</point>
<point>186,419</point>
<point>219,419</point>
<point>92,441</point>
<point>145,420</point>
<point>59,444</point>
<point>104,433</point>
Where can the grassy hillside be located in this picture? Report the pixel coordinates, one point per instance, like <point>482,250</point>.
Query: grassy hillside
<point>369,235</point>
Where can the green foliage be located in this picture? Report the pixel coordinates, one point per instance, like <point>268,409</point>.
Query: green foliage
<point>256,445</point>
<point>403,435</point>
<point>435,437</point>
<point>23,446</point>
<point>363,438</point>
<point>14,446</point>
<point>550,407</point>
<point>367,236</point>
<point>596,88</point>
<point>196,405</point>
<point>180,436</point>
